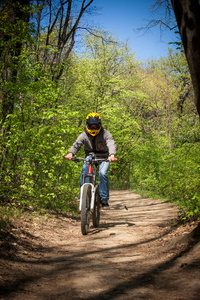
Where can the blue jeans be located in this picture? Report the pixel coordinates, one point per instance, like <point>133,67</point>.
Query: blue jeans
<point>103,177</point>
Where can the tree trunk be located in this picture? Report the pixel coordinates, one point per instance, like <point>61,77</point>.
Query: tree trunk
<point>11,16</point>
<point>187,15</point>
<point>10,51</point>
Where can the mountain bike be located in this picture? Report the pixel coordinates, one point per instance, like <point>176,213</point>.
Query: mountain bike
<point>90,204</point>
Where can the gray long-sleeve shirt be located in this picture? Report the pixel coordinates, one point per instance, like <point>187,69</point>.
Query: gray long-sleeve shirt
<point>102,144</point>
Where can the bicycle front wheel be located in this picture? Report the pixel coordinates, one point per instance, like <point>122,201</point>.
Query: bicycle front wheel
<point>85,209</point>
<point>96,212</point>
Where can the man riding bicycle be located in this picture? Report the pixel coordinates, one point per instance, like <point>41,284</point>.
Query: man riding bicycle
<point>98,140</point>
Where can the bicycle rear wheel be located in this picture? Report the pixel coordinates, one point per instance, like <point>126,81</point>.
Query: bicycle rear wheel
<point>96,212</point>
<point>85,209</point>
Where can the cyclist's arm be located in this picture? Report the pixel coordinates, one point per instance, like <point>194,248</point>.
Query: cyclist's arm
<point>75,147</point>
<point>111,145</point>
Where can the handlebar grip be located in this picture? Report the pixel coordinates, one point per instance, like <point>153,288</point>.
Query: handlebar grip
<point>75,159</point>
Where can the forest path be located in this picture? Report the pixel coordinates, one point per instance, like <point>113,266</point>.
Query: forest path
<point>136,253</point>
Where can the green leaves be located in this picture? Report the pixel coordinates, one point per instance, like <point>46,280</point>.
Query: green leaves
<point>148,110</point>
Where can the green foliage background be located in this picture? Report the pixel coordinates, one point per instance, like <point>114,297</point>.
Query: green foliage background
<point>148,109</point>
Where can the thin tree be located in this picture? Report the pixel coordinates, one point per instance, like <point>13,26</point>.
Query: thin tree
<point>62,20</point>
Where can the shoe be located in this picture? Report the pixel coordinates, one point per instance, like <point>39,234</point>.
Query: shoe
<point>104,203</point>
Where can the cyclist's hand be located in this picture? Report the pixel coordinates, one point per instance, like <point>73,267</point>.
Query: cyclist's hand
<point>69,156</point>
<point>112,158</point>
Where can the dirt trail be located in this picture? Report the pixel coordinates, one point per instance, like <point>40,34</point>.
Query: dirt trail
<point>136,253</point>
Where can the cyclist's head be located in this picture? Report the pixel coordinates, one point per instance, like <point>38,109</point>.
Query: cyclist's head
<point>93,123</point>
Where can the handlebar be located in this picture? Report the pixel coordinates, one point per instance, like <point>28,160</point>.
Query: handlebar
<point>93,160</point>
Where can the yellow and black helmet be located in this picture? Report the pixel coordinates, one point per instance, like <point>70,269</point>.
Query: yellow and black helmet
<point>93,123</point>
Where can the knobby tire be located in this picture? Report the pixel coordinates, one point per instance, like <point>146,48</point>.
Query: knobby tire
<point>85,210</point>
<point>96,212</point>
